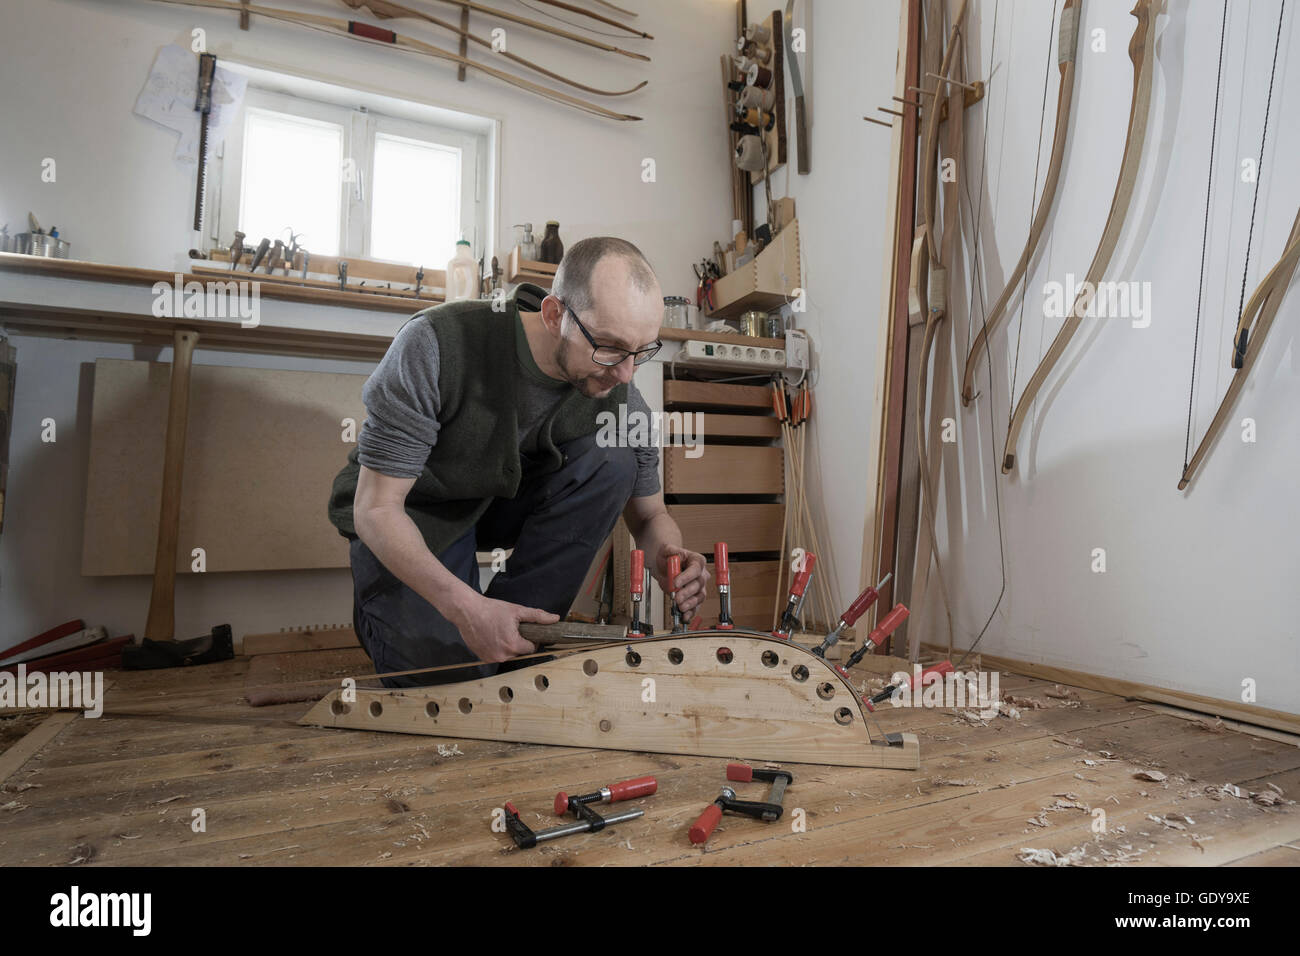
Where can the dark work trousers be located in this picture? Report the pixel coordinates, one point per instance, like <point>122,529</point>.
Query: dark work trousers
<point>555,524</point>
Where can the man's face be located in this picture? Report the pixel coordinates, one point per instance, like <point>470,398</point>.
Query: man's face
<point>620,316</point>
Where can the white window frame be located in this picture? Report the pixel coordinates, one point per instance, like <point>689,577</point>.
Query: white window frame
<point>360,127</point>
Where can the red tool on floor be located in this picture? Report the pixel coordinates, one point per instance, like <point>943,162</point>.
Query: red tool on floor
<point>627,790</point>
<point>850,617</point>
<point>723,572</point>
<point>798,587</point>
<point>589,821</point>
<point>769,810</point>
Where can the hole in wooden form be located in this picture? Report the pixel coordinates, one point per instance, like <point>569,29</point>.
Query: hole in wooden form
<point>799,673</point>
<point>431,708</point>
<point>844,716</point>
<point>675,655</point>
<point>589,667</point>
<point>507,695</point>
<point>606,726</point>
<point>633,659</point>
<point>540,682</point>
<point>770,658</point>
<point>724,655</point>
<point>465,706</point>
<point>338,708</point>
<point>826,690</point>
<point>376,708</point>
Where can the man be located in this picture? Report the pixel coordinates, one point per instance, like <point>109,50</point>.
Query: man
<point>481,434</point>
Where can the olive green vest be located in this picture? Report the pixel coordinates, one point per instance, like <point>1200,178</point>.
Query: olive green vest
<point>478,455</point>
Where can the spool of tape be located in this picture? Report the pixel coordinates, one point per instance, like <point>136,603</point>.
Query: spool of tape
<point>749,154</point>
<point>758,75</point>
<point>757,118</point>
<point>752,97</point>
<point>758,33</point>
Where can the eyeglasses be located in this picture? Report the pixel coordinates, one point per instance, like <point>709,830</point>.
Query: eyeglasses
<point>612,355</point>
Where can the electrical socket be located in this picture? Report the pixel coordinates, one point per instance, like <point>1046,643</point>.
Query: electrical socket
<point>728,355</point>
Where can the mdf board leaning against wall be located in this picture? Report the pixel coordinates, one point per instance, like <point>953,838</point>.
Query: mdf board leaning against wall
<point>262,449</point>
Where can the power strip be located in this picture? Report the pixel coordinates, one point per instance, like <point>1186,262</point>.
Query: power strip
<point>727,355</point>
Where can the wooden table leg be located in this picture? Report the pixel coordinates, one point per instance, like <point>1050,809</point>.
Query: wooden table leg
<point>161,625</point>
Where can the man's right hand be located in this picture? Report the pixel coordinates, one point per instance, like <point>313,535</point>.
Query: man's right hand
<point>490,628</point>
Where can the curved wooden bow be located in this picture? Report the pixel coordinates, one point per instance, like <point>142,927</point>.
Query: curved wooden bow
<point>373,34</point>
<point>1141,51</point>
<point>384,10</point>
<point>1265,302</point>
<point>928,283</point>
<point>1067,44</point>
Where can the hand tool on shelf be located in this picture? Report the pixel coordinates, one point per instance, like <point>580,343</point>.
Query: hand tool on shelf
<point>927,676</point>
<point>343,275</point>
<point>850,617</point>
<point>627,790</point>
<point>768,810</point>
<point>589,821</point>
<point>722,571</point>
<point>798,589</point>
<point>277,253</point>
<point>236,250</point>
<point>260,254</point>
<point>203,106</point>
<point>638,627</point>
<point>674,570</point>
<point>887,625</point>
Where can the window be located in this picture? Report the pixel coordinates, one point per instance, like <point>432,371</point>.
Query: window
<point>353,174</point>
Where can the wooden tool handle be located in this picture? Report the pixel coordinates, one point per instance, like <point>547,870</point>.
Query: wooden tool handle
<point>541,634</point>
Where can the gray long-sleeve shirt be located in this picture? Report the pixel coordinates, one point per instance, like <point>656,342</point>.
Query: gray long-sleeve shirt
<point>402,406</point>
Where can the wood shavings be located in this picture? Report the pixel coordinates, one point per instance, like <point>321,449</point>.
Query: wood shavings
<point>158,803</point>
<point>13,806</point>
<point>452,751</point>
<point>1272,786</point>
<point>1218,727</point>
<point>1050,857</point>
<point>963,782</point>
<point>1038,821</point>
<point>20,787</point>
<point>1063,693</point>
<point>972,718</point>
<point>1089,763</point>
<point>1155,776</point>
<point>1166,821</point>
<point>1266,798</point>
<point>1024,703</point>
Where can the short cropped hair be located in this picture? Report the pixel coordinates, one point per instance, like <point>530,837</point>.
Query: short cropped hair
<point>572,283</point>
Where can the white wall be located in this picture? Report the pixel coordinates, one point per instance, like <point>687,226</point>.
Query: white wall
<point>71,71</point>
<point>1199,589</point>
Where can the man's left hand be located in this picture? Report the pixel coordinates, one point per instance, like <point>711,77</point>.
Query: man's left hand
<point>692,583</point>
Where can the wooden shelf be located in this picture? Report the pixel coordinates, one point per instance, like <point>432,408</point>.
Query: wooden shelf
<point>730,338</point>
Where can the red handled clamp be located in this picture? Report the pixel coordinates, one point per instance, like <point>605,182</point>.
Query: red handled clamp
<point>888,624</point>
<point>723,571</point>
<point>850,617</point>
<point>798,587</point>
<point>638,628</point>
<point>768,810</point>
<point>674,571</point>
